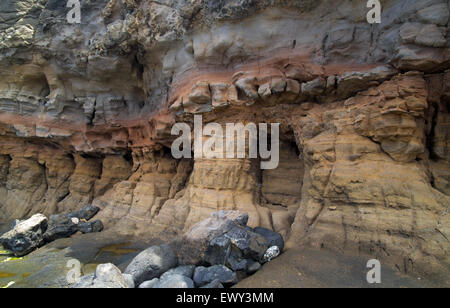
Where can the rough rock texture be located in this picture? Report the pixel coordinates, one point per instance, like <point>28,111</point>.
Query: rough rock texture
<point>272,238</point>
<point>215,284</point>
<point>60,226</point>
<point>206,275</point>
<point>149,284</point>
<point>26,235</point>
<point>30,234</point>
<point>90,227</point>
<point>214,239</point>
<point>184,270</point>
<point>86,112</point>
<point>175,281</point>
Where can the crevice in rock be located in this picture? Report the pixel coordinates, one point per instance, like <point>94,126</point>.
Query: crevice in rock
<point>139,68</point>
<point>61,198</point>
<point>93,115</point>
<point>241,94</point>
<point>9,158</point>
<point>281,188</point>
<point>129,156</point>
<point>46,87</point>
<point>431,135</point>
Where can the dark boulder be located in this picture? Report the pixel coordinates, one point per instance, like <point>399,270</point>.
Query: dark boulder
<point>206,275</point>
<point>184,270</point>
<point>26,236</point>
<point>218,251</point>
<point>272,238</point>
<point>151,263</point>
<point>90,226</point>
<point>85,213</point>
<point>175,281</point>
<point>149,283</point>
<point>60,226</point>
<point>65,225</point>
<point>252,267</point>
<point>195,243</point>
<point>250,244</point>
<point>215,284</point>
<point>236,264</point>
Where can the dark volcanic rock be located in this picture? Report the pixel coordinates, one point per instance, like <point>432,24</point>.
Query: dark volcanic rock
<point>215,284</point>
<point>195,244</point>
<point>60,226</point>
<point>151,263</point>
<point>184,270</point>
<point>84,282</point>
<point>272,238</point>
<point>206,275</point>
<point>253,267</point>
<point>251,245</point>
<point>175,281</point>
<point>86,213</point>
<point>218,250</point>
<point>149,283</point>
<point>90,227</point>
<point>237,264</point>
<point>65,225</point>
<point>26,236</point>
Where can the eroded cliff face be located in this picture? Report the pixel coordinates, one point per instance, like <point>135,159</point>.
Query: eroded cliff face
<point>86,112</point>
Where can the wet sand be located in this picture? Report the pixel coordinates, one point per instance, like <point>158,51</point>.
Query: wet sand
<point>299,268</point>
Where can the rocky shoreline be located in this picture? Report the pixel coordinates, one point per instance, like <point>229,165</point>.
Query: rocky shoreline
<point>215,253</point>
<point>296,268</point>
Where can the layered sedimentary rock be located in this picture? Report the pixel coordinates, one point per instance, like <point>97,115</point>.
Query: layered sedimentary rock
<point>86,112</point>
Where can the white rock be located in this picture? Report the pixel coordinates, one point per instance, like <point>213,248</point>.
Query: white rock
<point>271,253</point>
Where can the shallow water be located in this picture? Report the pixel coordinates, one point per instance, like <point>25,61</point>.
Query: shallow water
<point>116,250</point>
<point>47,266</point>
<point>6,275</point>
